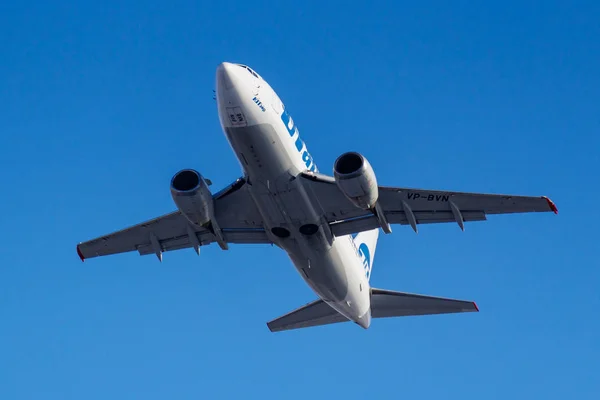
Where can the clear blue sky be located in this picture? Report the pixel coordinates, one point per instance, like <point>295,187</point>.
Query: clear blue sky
<point>102,103</point>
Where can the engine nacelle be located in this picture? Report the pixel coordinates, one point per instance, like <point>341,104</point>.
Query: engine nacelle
<point>356,179</point>
<point>192,196</point>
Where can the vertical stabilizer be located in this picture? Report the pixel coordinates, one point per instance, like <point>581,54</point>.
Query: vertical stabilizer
<point>366,243</point>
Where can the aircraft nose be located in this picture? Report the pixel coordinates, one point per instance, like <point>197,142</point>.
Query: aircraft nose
<point>227,75</point>
<point>235,89</point>
<point>365,320</point>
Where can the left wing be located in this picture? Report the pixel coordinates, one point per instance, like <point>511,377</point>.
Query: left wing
<point>414,206</point>
<point>238,218</point>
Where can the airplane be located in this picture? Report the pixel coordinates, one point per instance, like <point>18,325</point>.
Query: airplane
<point>328,225</point>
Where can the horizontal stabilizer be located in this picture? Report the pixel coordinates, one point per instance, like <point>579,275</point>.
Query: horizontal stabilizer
<point>387,303</point>
<point>313,314</point>
<point>384,304</point>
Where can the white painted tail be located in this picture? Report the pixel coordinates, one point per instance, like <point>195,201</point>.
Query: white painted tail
<point>366,243</point>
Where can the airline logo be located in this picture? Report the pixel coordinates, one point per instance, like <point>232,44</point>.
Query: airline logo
<point>259,103</point>
<point>300,146</point>
<point>363,251</point>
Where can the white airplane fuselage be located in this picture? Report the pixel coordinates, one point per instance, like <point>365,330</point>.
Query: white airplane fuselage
<point>271,153</point>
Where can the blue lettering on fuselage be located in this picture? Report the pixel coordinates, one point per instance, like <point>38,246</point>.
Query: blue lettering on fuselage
<point>259,104</point>
<point>300,146</point>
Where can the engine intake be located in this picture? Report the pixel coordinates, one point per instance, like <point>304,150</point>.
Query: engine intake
<point>192,196</point>
<point>348,163</point>
<point>356,179</point>
<point>185,180</point>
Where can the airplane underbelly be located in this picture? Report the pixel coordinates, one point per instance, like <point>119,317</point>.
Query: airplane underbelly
<point>272,168</point>
<point>261,152</point>
<point>294,222</point>
<point>335,276</point>
<point>329,282</point>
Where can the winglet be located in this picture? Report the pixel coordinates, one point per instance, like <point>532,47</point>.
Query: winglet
<point>475,305</point>
<point>551,205</point>
<point>80,254</point>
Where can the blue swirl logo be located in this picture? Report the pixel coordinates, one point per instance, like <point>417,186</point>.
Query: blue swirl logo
<point>363,251</point>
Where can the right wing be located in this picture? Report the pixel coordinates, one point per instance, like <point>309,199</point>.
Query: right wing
<point>407,206</point>
<point>235,211</point>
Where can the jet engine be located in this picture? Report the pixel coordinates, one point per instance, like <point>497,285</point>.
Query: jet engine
<point>192,196</point>
<point>356,179</point>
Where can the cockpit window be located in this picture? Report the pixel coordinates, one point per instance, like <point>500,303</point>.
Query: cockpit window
<point>252,72</point>
<point>249,70</point>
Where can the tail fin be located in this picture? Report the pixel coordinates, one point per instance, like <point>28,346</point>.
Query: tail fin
<point>366,243</point>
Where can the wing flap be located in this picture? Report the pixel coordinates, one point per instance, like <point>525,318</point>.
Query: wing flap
<point>388,303</point>
<point>399,217</point>
<point>241,236</point>
<point>312,314</point>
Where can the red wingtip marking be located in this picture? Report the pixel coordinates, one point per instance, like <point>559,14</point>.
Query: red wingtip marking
<point>551,205</point>
<point>477,308</point>
<point>80,254</point>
